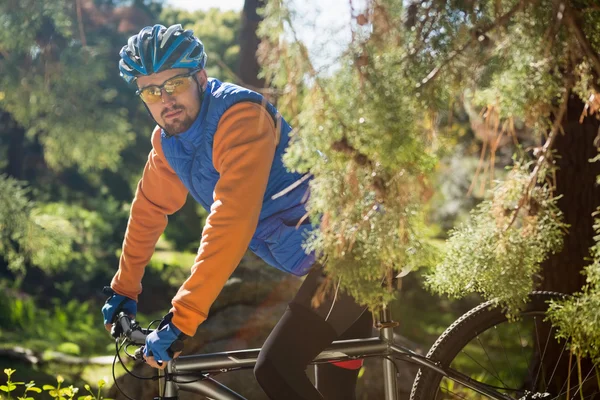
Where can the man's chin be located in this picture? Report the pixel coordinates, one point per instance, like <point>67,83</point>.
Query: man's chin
<point>177,127</point>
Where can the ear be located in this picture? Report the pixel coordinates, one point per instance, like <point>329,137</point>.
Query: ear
<point>202,78</point>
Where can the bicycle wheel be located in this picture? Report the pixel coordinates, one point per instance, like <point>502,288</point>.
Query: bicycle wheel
<point>520,359</point>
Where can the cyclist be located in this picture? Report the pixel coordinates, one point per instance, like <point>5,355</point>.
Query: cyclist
<point>223,144</point>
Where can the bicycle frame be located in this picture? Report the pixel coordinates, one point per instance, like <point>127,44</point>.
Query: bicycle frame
<point>382,346</point>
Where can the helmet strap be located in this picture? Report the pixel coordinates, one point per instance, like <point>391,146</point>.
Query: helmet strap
<point>200,90</point>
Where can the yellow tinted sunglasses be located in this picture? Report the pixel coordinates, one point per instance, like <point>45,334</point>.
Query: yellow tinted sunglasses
<point>173,86</point>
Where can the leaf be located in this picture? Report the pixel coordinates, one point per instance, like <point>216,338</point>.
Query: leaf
<point>48,387</point>
<point>9,371</point>
<point>4,388</point>
<point>33,389</point>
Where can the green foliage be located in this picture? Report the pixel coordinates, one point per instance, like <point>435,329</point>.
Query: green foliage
<point>498,251</point>
<point>371,133</point>
<point>56,392</point>
<point>29,235</point>
<point>46,74</point>
<point>49,236</point>
<point>370,165</point>
<point>578,317</point>
<point>219,32</point>
<point>12,386</point>
<point>73,326</point>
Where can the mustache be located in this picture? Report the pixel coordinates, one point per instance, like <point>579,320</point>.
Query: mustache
<point>170,110</point>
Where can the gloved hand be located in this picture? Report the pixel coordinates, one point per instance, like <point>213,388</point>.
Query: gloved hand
<point>163,344</point>
<point>115,304</point>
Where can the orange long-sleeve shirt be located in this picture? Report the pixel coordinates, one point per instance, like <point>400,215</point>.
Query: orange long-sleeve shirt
<point>243,151</point>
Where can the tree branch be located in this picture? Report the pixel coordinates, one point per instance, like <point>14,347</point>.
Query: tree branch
<point>572,21</point>
<point>543,157</point>
<point>478,32</point>
<point>80,22</point>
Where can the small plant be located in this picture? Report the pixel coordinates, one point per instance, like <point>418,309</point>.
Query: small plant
<point>12,386</point>
<point>91,396</point>
<point>66,393</point>
<point>56,392</point>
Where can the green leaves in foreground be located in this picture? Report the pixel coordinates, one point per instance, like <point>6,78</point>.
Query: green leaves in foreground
<point>56,392</point>
<point>578,317</point>
<point>498,251</point>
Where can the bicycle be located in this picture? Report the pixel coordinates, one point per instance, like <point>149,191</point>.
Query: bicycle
<point>450,368</point>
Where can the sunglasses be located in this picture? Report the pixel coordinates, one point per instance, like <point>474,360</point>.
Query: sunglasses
<point>173,86</point>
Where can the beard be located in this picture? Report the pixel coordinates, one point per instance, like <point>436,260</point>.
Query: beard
<point>179,124</point>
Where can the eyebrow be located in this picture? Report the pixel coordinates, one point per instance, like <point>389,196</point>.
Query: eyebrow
<point>165,81</point>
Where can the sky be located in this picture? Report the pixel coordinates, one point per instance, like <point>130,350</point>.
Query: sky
<point>206,4</point>
<point>323,25</point>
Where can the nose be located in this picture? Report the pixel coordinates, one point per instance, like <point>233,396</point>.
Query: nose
<point>166,97</point>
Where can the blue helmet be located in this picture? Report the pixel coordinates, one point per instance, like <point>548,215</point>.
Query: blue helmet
<point>157,48</point>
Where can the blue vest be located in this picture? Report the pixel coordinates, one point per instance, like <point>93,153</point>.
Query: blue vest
<point>276,239</point>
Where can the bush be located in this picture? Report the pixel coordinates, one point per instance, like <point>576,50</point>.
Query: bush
<point>56,392</point>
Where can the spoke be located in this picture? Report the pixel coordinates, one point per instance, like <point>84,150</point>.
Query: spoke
<point>564,384</point>
<point>452,393</point>
<point>522,351</point>
<point>494,368</point>
<point>543,353</point>
<point>512,375</point>
<point>558,362</point>
<point>591,396</point>
<point>585,379</point>
<point>484,368</point>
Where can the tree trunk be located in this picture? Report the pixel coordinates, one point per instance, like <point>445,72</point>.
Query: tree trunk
<point>248,69</point>
<point>576,182</point>
<point>15,137</point>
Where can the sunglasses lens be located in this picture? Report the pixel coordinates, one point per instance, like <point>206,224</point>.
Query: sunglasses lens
<point>151,94</point>
<point>177,86</point>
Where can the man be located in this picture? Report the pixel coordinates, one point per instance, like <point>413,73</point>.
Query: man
<point>223,144</point>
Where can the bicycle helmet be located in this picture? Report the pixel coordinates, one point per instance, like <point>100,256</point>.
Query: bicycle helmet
<point>157,48</point>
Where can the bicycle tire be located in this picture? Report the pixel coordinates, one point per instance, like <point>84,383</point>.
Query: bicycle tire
<point>463,332</point>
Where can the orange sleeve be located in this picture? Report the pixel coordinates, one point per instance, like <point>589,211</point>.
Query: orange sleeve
<point>243,151</point>
<point>160,192</point>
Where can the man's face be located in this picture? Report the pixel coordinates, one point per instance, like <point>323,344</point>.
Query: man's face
<point>175,113</point>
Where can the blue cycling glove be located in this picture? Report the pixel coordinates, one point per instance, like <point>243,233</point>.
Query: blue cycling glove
<point>165,341</point>
<point>115,304</point>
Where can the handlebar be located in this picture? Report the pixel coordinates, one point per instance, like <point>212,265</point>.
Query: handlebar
<point>134,334</point>
<point>127,327</point>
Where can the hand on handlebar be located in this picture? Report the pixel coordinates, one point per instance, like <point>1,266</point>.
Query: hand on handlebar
<point>115,304</point>
<point>163,344</point>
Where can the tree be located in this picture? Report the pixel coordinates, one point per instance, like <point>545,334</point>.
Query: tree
<point>248,68</point>
<point>373,132</point>
<point>66,119</point>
